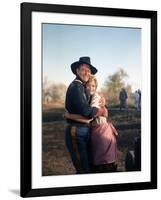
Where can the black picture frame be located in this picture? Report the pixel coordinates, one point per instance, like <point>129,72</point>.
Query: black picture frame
<point>26,100</point>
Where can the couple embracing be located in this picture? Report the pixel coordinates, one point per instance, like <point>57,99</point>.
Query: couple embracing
<point>90,139</point>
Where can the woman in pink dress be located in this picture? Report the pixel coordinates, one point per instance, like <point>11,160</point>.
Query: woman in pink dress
<point>103,145</point>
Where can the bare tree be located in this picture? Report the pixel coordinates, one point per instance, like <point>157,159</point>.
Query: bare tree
<point>57,92</point>
<point>46,90</point>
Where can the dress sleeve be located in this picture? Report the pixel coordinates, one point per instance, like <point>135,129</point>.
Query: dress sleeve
<point>95,100</point>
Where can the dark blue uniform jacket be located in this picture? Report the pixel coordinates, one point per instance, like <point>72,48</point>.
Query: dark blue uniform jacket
<point>76,100</point>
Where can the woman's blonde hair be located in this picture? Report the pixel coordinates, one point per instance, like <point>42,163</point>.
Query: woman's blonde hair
<point>92,78</point>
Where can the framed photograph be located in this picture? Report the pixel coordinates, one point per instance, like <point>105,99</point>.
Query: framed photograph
<point>88,99</point>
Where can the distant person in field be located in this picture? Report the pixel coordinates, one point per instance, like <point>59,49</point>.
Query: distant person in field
<point>102,143</point>
<point>139,92</point>
<point>77,102</point>
<point>123,99</point>
<point>136,100</point>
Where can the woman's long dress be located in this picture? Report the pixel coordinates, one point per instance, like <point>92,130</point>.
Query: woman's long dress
<point>103,138</point>
<point>103,144</point>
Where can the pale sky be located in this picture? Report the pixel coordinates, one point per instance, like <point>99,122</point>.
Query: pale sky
<point>110,48</point>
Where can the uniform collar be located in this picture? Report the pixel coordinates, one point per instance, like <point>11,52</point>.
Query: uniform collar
<point>78,79</point>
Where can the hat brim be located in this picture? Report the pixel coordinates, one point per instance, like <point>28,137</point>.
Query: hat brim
<point>75,65</point>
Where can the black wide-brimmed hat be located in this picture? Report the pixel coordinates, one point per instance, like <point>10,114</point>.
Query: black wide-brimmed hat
<point>83,60</point>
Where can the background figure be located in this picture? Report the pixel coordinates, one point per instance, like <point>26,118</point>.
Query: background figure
<point>139,92</point>
<point>123,99</point>
<point>136,100</point>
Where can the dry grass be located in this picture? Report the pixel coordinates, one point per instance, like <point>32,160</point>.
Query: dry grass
<point>55,157</point>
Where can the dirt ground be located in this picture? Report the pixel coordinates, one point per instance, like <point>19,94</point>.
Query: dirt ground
<point>55,156</point>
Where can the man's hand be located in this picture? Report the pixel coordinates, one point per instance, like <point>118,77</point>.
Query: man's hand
<point>102,112</point>
<point>89,121</point>
<point>105,113</point>
<point>66,115</point>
